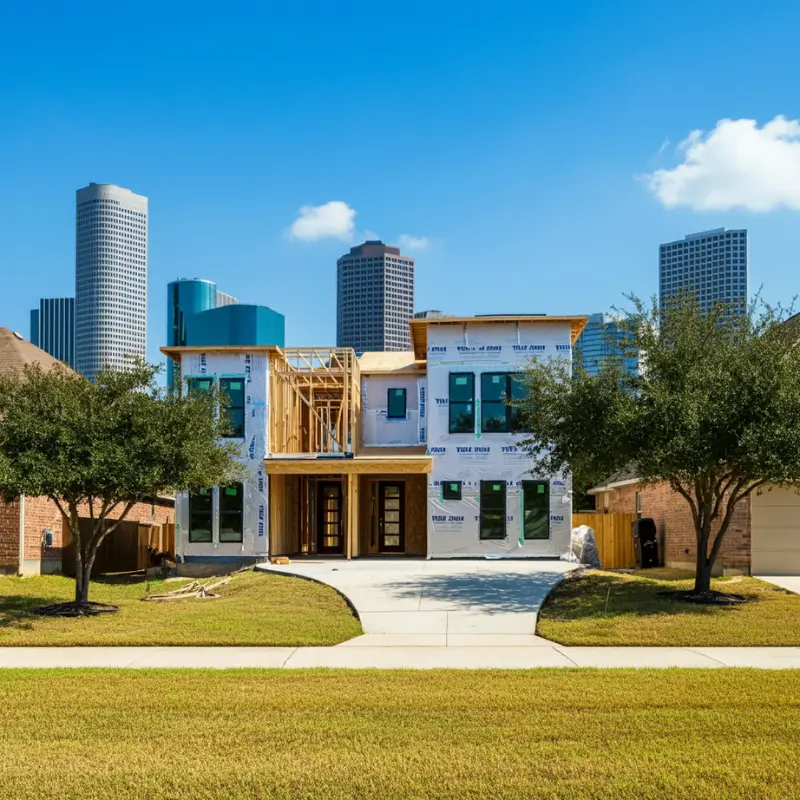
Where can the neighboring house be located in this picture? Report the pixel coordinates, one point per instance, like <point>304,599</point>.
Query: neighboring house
<point>412,453</point>
<point>32,528</point>
<point>763,537</point>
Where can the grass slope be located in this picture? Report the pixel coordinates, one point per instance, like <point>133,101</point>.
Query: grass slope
<point>255,608</point>
<point>175,734</point>
<point>608,608</point>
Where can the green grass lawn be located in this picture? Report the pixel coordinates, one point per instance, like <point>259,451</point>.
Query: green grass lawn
<point>609,608</point>
<point>87,734</point>
<point>255,608</point>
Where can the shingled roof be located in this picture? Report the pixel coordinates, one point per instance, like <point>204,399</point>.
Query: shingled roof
<point>16,352</point>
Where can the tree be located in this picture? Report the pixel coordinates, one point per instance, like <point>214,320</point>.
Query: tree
<point>105,446</point>
<point>715,412</point>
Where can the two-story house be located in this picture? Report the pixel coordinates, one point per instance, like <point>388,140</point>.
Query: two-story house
<point>411,453</point>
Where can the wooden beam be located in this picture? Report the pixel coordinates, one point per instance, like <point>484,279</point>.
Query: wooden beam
<point>347,466</point>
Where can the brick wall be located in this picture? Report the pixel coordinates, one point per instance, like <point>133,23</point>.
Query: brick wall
<point>9,537</point>
<point>41,514</point>
<point>673,518</point>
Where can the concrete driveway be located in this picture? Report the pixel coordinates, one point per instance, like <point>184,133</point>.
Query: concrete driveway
<point>415,602</point>
<point>789,582</point>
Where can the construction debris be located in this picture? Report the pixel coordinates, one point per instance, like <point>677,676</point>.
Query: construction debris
<point>195,589</point>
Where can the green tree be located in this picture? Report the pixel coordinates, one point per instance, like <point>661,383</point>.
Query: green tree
<point>715,412</point>
<point>106,445</point>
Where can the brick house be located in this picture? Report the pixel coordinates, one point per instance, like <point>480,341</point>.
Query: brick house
<point>32,528</point>
<point>625,493</point>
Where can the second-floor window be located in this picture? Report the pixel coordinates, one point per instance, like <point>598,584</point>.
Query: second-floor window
<point>499,391</point>
<point>197,385</point>
<point>396,404</point>
<point>462,402</point>
<point>234,389</point>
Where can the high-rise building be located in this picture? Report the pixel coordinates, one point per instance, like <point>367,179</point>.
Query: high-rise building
<point>110,277</point>
<point>185,297</point>
<point>374,298</point>
<point>712,264</point>
<point>600,343</point>
<point>432,313</point>
<point>53,328</point>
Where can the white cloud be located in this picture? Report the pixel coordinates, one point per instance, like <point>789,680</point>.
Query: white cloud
<point>408,242</point>
<point>736,165</point>
<point>334,220</point>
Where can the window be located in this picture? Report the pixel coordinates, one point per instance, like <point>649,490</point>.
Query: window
<point>396,404</point>
<point>497,390</point>
<point>639,504</point>
<point>493,510</point>
<point>451,490</point>
<point>196,385</point>
<point>535,509</point>
<point>200,515</point>
<point>462,402</point>
<point>234,389</point>
<point>231,504</point>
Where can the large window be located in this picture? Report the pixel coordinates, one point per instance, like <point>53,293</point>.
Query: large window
<point>231,513</point>
<point>396,404</point>
<point>198,385</point>
<point>201,514</point>
<point>462,402</point>
<point>498,392</point>
<point>493,510</point>
<point>234,389</point>
<point>536,509</point>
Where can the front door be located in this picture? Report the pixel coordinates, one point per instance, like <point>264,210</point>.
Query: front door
<point>391,518</point>
<point>329,518</point>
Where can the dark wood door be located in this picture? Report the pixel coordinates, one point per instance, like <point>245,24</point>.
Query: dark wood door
<point>329,518</point>
<point>391,517</point>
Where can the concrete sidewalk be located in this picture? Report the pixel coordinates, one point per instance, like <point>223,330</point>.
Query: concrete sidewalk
<point>431,656</point>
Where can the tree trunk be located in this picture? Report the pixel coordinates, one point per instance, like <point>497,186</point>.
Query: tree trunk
<point>702,578</point>
<point>82,577</point>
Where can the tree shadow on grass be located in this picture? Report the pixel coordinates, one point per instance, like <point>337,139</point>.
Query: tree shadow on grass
<point>604,596</point>
<point>19,610</point>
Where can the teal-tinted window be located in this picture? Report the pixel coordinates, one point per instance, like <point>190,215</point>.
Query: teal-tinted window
<point>196,385</point>
<point>231,513</point>
<point>451,490</point>
<point>462,402</point>
<point>536,509</point>
<point>234,389</point>
<point>493,510</point>
<point>396,404</point>
<point>201,514</point>
<point>498,392</point>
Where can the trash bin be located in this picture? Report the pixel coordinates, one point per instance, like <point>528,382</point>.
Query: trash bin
<point>645,543</point>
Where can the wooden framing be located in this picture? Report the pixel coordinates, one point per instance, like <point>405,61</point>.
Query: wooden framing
<point>365,465</point>
<point>315,400</point>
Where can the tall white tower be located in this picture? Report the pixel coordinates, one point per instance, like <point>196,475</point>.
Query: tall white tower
<point>110,277</point>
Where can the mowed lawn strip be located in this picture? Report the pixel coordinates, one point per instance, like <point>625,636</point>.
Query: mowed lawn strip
<point>610,608</point>
<point>405,734</point>
<point>255,608</point>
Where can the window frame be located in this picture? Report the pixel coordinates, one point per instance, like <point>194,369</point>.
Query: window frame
<point>389,391</point>
<point>483,510</point>
<point>193,380</point>
<point>459,403</point>
<point>546,494</point>
<point>192,539</point>
<point>512,424</point>
<point>456,495</point>
<point>239,512</point>
<point>234,409</point>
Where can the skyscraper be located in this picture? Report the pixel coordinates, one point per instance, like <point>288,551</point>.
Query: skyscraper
<point>53,328</point>
<point>600,343</point>
<point>189,296</point>
<point>110,277</point>
<point>712,264</point>
<point>374,298</point>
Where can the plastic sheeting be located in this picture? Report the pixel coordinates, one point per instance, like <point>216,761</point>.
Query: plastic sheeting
<point>254,368</point>
<point>453,525</point>
<point>583,547</point>
<point>376,427</point>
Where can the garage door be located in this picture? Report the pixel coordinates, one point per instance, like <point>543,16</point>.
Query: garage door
<point>775,529</point>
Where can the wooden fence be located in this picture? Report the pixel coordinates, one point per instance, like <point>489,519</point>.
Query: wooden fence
<point>613,536</point>
<point>127,549</point>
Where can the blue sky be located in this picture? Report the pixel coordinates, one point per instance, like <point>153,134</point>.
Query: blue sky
<point>506,136</point>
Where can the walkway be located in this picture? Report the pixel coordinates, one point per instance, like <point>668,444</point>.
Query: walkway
<point>789,582</point>
<point>456,603</point>
<point>432,657</point>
